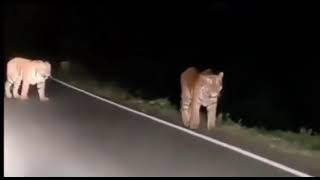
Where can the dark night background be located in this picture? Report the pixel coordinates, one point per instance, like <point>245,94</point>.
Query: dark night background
<point>267,51</point>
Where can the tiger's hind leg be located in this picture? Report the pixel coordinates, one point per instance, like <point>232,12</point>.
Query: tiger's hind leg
<point>212,111</point>
<point>16,86</point>
<point>8,86</point>
<point>25,90</point>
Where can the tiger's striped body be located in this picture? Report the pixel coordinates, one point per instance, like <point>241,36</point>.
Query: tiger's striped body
<point>199,89</point>
<point>28,72</point>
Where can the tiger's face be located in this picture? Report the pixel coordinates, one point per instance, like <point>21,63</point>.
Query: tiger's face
<point>213,86</point>
<point>43,70</point>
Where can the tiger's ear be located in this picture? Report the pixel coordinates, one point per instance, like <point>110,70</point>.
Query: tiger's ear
<point>207,71</point>
<point>47,64</point>
<point>220,78</point>
<point>221,74</point>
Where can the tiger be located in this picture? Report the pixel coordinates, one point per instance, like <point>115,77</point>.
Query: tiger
<point>199,89</point>
<point>28,72</point>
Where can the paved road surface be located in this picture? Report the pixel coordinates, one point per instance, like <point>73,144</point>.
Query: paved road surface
<point>77,135</point>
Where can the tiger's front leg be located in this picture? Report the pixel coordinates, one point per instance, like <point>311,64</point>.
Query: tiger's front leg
<point>195,114</point>
<point>185,111</point>
<point>211,111</point>
<point>25,90</point>
<point>41,91</point>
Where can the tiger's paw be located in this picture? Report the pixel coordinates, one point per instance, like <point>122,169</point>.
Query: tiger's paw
<point>186,124</point>
<point>211,126</point>
<point>17,96</point>
<point>24,98</point>
<point>194,125</point>
<point>44,99</point>
<point>9,95</point>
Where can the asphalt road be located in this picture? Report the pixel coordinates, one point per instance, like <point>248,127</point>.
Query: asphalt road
<point>76,135</point>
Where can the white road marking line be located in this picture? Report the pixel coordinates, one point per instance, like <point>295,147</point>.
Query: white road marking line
<point>215,141</point>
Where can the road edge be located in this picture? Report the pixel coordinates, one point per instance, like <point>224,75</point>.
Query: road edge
<point>204,137</point>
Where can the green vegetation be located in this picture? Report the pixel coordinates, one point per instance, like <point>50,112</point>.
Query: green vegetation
<point>303,142</point>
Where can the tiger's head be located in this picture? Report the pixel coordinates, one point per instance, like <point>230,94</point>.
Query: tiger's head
<point>213,84</point>
<point>43,69</point>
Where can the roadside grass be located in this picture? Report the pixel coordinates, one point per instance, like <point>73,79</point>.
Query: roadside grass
<point>303,142</point>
